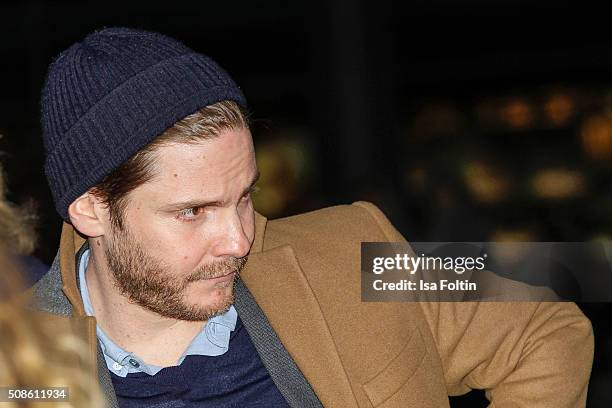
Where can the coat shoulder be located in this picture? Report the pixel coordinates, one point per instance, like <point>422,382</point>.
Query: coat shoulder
<point>357,222</point>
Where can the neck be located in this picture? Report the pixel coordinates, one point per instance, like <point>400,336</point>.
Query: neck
<point>156,339</point>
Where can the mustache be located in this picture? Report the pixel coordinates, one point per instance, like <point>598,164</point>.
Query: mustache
<point>218,268</point>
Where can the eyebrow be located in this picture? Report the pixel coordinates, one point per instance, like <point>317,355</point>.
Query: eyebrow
<point>197,203</point>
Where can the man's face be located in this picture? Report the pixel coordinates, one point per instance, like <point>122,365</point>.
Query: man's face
<point>188,231</point>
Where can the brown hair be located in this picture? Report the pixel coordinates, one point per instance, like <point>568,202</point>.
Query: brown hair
<point>204,124</point>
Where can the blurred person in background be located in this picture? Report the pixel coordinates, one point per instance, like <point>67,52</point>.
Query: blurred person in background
<point>200,301</point>
<point>17,236</point>
<point>39,351</point>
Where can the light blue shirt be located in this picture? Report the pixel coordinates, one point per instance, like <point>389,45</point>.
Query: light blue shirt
<point>213,340</point>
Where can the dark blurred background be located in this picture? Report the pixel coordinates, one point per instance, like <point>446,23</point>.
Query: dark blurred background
<point>468,121</point>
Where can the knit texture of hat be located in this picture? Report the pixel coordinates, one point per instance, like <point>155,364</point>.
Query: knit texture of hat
<point>112,94</point>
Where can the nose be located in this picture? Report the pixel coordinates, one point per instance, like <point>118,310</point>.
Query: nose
<point>233,240</point>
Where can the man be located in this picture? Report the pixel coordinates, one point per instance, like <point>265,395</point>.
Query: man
<point>151,164</point>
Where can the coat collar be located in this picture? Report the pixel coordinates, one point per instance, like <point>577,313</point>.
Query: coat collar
<point>281,289</point>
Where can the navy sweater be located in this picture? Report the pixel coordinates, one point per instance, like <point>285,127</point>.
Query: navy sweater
<point>235,379</point>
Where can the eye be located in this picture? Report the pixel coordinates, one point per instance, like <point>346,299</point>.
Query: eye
<point>189,214</point>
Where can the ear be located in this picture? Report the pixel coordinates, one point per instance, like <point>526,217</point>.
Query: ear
<point>88,215</point>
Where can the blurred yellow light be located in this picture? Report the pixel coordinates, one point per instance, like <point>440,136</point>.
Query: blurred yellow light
<point>270,200</point>
<point>283,165</point>
<point>558,183</point>
<point>602,237</point>
<point>268,163</point>
<point>517,113</point>
<point>485,183</point>
<point>596,136</point>
<point>511,255</point>
<point>294,159</point>
<point>559,109</point>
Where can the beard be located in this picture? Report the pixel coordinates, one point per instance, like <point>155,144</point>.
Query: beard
<point>150,283</point>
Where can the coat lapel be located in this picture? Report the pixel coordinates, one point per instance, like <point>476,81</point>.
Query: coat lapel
<point>281,289</point>
<point>284,372</point>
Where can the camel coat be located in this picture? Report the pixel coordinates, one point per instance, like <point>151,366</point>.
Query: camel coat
<point>304,274</point>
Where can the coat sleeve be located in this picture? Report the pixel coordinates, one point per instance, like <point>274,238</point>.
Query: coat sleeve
<point>524,354</point>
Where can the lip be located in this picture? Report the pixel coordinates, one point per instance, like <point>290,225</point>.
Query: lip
<point>222,278</point>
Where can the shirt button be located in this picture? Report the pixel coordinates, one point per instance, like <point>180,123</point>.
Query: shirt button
<point>117,366</point>
<point>134,363</point>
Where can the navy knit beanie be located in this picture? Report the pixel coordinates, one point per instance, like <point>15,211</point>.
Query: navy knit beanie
<point>112,94</point>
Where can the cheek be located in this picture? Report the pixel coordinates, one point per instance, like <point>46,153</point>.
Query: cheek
<point>182,249</point>
<point>189,256</point>
<point>184,253</point>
